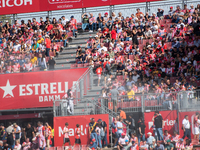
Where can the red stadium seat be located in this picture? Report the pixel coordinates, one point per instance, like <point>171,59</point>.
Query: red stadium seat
<point>131,57</point>
<point>73,66</point>
<point>80,65</point>
<point>36,69</point>
<point>86,64</point>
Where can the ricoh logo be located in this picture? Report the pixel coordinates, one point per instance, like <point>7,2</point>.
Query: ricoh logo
<point>72,131</point>
<point>12,3</point>
<point>63,1</point>
<point>45,91</point>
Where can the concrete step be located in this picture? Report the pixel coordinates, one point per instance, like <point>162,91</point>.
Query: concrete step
<point>84,105</point>
<point>58,61</point>
<point>62,66</point>
<point>83,111</point>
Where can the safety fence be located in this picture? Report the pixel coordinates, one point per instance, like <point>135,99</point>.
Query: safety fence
<point>125,9</point>
<point>131,103</point>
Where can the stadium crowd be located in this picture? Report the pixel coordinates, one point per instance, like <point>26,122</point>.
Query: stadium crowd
<point>146,51</point>
<point>135,138</point>
<point>33,45</point>
<point>30,137</point>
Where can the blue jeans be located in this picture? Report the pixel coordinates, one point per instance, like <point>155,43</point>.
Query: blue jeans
<point>141,138</point>
<point>159,134</point>
<point>84,26</point>
<point>93,26</point>
<point>104,140</point>
<point>118,135</point>
<point>65,43</point>
<point>99,141</point>
<point>94,136</point>
<point>100,24</point>
<point>47,52</point>
<point>74,31</point>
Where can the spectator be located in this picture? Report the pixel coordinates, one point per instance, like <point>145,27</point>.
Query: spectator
<point>159,146</point>
<point>196,126</point>
<point>122,113</point>
<point>1,145</point>
<point>141,130</point>
<point>29,132</point>
<point>169,145</point>
<point>103,125</point>
<point>158,122</point>
<point>180,144</point>
<point>186,128</point>
<point>160,13</point>
<point>123,142</point>
<point>114,97</point>
<point>51,63</point>
<point>85,21</point>
<point>131,123</point>
<point>150,138</point>
<point>17,145</point>
<point>17,132</point>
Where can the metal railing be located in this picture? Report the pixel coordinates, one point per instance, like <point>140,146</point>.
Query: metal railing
<point>182,101</point>
<point>126,10</point>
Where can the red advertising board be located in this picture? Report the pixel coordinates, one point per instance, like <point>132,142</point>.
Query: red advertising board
<point>83,121</point>
<point>191,115</point>
<point>169,118</point>
<point>27,6</point>
<point>36,89</point>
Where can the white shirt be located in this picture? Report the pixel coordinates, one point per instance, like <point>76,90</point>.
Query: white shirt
<point>186,124</point>
<point>135,78</point>
<point>102,48</point>
<point>17,47</point>
<point>65,21</point>
<point>119,124</point>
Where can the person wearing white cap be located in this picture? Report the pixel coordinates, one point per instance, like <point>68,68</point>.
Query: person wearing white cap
<point>192,9</point>
<point>150,138</point>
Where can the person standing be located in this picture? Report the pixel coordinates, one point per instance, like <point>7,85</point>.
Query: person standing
<point>141,130</point>
<point>104,139</point>
<point>17,132</point>
<point>51,63</point>
<point>92,131</point>
<point>196,126</point>
<point>186,127</point>
<point>29,132</point>
<point>114,96</point>
<point>158,122</point>
<point>9,131</point>
<point>3,133</point>
<point>66,135</point>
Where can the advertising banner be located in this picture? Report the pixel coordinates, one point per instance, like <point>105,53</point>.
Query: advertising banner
<point>169,118</point>
<point>36,89</point>
<point>83,121</point>
<point>191,115</point>
<point>28,6</point>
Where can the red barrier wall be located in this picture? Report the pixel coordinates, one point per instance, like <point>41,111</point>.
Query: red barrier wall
<point>83,121</point>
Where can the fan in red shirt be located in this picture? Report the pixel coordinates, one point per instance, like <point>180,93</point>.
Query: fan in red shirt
<point>99,71</point>
<point>114,33</point>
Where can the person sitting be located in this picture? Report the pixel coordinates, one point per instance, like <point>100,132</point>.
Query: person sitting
<point>169,145</point>
<point>123,142</point>
<point>150,138</point>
